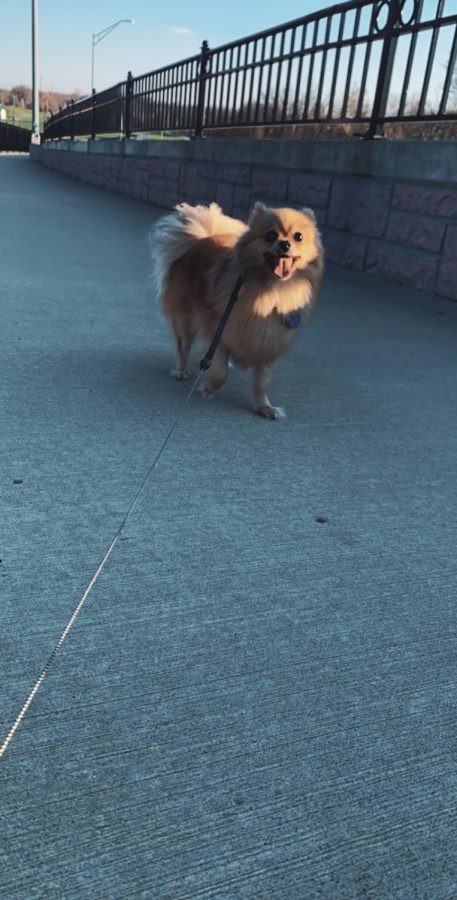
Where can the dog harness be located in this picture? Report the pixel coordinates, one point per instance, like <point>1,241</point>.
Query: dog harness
<point>292,320</point>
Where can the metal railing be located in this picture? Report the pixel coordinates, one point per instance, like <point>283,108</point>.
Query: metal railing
<point>13,138</point>
<point>363,62</point>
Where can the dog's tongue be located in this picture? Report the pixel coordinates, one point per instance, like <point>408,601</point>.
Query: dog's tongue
<point>283,267</point>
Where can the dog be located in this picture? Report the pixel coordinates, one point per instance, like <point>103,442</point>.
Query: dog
<point>199,255</point>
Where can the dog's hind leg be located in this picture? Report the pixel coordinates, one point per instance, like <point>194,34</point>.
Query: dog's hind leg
<point>184,333</point>
<point>262,405</point>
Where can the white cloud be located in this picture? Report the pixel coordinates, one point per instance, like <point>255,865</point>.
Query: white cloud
<point>179,29</point>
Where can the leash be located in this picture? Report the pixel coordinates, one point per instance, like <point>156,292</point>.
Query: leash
<point>208,358</point>
<point>94,579</point>
<point>205,364</point>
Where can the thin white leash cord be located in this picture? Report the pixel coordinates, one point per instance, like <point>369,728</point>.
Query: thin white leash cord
<point>9,737</point>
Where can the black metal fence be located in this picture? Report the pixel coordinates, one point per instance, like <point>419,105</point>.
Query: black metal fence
<point>363,62</point>
<point>13,138</point>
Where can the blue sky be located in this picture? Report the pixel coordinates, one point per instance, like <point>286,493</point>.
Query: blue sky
<point>162,33</point>
<point>165,33</point>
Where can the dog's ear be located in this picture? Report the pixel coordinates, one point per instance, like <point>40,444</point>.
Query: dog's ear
<point>259,210</point>
<point>310,213</point>
<point>259,207</point>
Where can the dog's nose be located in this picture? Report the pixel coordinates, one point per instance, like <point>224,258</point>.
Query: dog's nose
<point>283,247</point>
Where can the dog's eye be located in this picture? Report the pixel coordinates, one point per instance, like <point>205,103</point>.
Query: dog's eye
<point>271,236</point>
<point>298,236</point>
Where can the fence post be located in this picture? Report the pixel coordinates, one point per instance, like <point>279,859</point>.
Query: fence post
<point>127,130</point>
<point>202,77</point>
<point>385,66</point>
<point>93,130</point>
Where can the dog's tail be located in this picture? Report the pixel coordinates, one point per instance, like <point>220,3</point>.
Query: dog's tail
<point>177,233</point>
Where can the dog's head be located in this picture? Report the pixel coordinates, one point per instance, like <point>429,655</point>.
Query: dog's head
<point>279,243</point>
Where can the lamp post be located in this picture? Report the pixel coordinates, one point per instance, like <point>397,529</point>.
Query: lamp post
<point>99,36</point>
<point>35,136</point>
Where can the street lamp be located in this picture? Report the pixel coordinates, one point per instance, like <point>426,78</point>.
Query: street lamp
<point>99,36</point>
<point>35,136</point>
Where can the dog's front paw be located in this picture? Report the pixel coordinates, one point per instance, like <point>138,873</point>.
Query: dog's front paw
<point>270,412</point>
<point>206,393</point>
<point>180,374</point>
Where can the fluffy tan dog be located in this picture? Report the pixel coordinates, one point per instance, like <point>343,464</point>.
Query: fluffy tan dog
<point>200,253</point>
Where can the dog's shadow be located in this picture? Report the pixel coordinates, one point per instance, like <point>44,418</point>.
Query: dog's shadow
<point>141,377</point>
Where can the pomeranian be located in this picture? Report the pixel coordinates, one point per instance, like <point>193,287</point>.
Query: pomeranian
<point>200,253</point>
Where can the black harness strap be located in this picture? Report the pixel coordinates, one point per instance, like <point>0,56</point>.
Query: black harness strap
<point>208,357</point>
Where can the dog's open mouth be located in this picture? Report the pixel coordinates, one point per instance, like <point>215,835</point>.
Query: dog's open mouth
<point>282,267</point>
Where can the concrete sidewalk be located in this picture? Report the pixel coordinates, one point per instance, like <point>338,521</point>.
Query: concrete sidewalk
<point>258,699</point>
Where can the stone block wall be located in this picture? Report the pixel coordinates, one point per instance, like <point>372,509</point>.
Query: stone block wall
<point>388,225</point>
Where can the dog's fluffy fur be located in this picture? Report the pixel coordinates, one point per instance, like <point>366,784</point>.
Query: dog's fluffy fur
<point>199,254</point>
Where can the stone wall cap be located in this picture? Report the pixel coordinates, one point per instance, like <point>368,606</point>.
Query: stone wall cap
<point>432,162</point>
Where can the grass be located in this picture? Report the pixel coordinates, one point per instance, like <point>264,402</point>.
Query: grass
<point>152,135</point>
<point>17,115</point>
